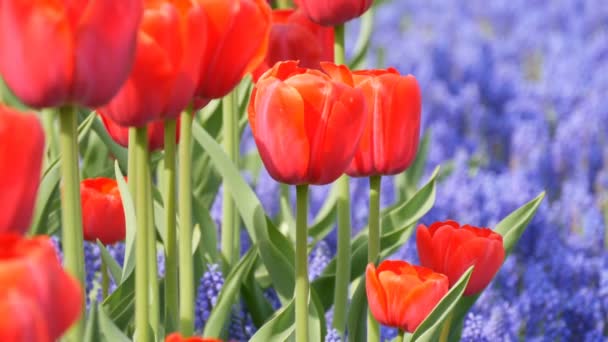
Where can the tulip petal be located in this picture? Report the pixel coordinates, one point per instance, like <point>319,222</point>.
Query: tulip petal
<point>21,319</point>
<point>424,245</point>
<point>421,300</point>
<point>376,297</point>
<point>487,256</point>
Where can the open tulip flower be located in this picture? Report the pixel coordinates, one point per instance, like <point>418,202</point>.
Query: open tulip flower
<point>401,295</point>
<point>103,217</point>
<point>171,42</point>
<point>21,152</point>
<point>156,133</point>
<point>451,249</point>
<point>392,132</point>
<point>57,52</point>
<point>306,124</point>
<point>39,301</point>
<point>294,37</point>
<point>333,12</point>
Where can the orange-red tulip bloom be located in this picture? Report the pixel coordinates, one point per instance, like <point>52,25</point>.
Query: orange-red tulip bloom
<point>294,37</point>
<point>451,249</point>
<point>21,152</point>
<point>333,12</point>
<point>237,43</point>
<point>156,133</point>
<point>390,139</point>
<point>401,295</point>
<point>103,217</point>
<point>55,52</point>
<point>176,337</point>
<point>39,301</point>
<point>306,124</point>
<point>172,40</point>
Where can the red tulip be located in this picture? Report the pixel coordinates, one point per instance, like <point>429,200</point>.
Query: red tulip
<point>448,248</point>
<point>390,139</point>
<point>55,52</point>
<point>306,124</point>
<point>172,40</point>
<point>156,133</point>
<point>176,337</point>
<point>237,43</point>
<point>401,295</point>
<point>103,217</point>
<point>333,12</point>
<point>21,152</point>
<point>294,37</point>
<point>38,299</point>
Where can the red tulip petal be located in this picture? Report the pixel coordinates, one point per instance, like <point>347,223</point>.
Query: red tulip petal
<point>424,245</point>
<point>376,298</point>
<point>21,319</point>
<point>486,255</point>
<point>421,301</point>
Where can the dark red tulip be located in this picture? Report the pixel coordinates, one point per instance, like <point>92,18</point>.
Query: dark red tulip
<point>39,301</point>
<point>55,52</point>
<point>401,295</point>
<point>333,12</point>
<point>156,133</point>
<point>294,37</point>
<point>390,139</point>
<point>103,217</point>
<point>176,337</point>
<point>237,43</point>
<point>306,124</point>
<point>172,40</point>
<point>451,249</point>
<point>21,152</point>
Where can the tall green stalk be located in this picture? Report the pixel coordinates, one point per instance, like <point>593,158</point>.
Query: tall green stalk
<point>171,272</point>
<point>344,225</point>
<point>105,279</point>
<point>302,286</point>
<point>153,294</point>
<point>230,230</point>
<point>48,123</point>
<point>71,210</point>
<point>186,270</point>
<point>373,246</point>
<point>141,235</point>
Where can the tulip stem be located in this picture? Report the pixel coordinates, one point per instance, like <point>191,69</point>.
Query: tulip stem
<point>71,210</point>
<point>445,330</point>
<point>283,4</point>
<point>105,279</point>
<point>339,55</point>
<point>48,122</point>
<point>154,296</point>
<point>141,234</point>
<point>186,269</point>
<point>131,157</point>
<point>302,286</point>
<point>343,255</point>
<point>171,289</point>
<point>230,231</point>
<point>373,246</point>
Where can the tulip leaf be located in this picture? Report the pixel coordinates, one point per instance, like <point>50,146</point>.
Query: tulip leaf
<point>91,329</point>
<point>120,304</point>
<point>512,227</point>
<point>357,313</point>
<point>227,296</point>
<point>253,295</point>
<point>326,218</point>
<point>429,329</point>
<point>250,209</point>
<point>130,220</point>
<point>363,40</point>
<point>119,152</point>
<point>99,327</point>
<point>112,265</point>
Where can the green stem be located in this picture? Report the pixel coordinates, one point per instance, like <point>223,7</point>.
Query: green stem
<point>153,299</point>
<point>48,123</point>
<point>230,231</point>
<point>373,246</point>
<point>344,226</point>
<point>283,4</point>
<point>105,279</point>
<point>141,235</point>
<point>343,255</point>
<point>71,210</point>
<point>186,270</point>
<point>131,157</point>
<point>302,286</point>
<point>445,330</point>
<point>171,289</point>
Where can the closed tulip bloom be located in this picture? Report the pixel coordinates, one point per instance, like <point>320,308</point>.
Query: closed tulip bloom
<point>39,301</point>
<point>156,133</point>
<point>294,37</point>
<point>237,43</point>
<point>306,124</point>
<point>176,337</point>
<point>55,52</point>
<point>390,139</point>
<point>401,295</point>
<point>103,217</point>
<point>333,12</point>
<point>21,153</point>
<point>451,249</point>
<point>172,40</point>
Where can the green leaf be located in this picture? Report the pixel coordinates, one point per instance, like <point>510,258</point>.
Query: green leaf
<point>326,218</point>
<point>119,152</point>
<point>208,245</point>
<point>512,227</point>
<point>47,193</point>
<point>109,331</point>
<point>357,313</point>
<point>363,40</point>
<point>112,265</point>
<point>407,182</point>
<point>227,297</point>
<point>120,304</point>
<point>131,224</point>
<point>91,329</point>
<point>257,304</point>
<point>279,328</point>
<point>430,327</point>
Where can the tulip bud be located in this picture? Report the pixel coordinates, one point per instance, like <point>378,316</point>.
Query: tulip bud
<point>156,133</point>
<point>333,12</point>
<point>103,217</point>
